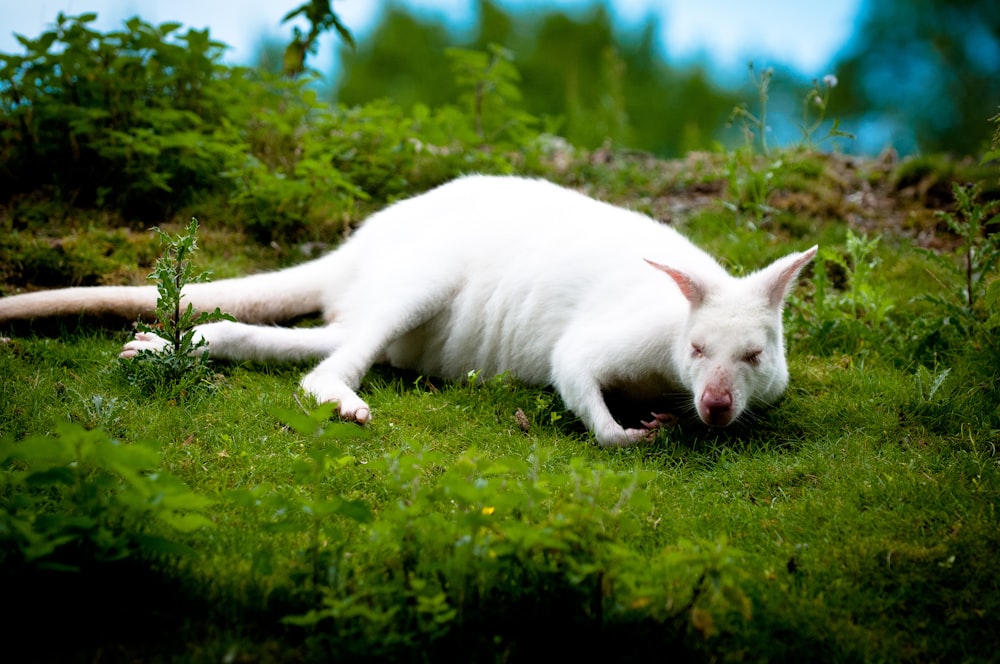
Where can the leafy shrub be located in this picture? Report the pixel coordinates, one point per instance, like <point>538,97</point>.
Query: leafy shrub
<point>964,314</point>
<point>752,180</point>
<point>79,497</point>
<point>309,164</point>
<point>85,258</point>
<point>146,121</point>
<point>974,303</point>
<point>136,118</point>
<point>182,364</point>
<point>852,316</point>
<point>489,82</point>
<point>287,181</point>
<point>489,550</point>
<point>304,507</point>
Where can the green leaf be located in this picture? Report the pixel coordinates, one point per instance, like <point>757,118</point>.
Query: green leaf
<point>163,545</point>
<point>186,523</point>
<point>167,28</point>
<point>51,477</point>
<point>295,12</point>
<point>356,510</point>
<point>992,297</point>
<point>990,156</point>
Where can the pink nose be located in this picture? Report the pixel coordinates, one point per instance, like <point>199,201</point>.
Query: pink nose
<point>716,407</point>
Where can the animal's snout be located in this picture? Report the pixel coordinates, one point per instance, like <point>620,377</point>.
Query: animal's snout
<point>716,407</point>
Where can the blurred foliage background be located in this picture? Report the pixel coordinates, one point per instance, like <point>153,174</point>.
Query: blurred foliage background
<point>149,119</point>
<point>921,76</point>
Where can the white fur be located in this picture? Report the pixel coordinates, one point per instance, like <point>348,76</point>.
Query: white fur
<point>503,274</point>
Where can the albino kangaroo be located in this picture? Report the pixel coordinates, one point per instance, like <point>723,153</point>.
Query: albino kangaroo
<point>500,274</point>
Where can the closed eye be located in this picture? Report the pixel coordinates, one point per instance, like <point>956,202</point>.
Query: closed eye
<point>697,350</point>
<point>752,357</point>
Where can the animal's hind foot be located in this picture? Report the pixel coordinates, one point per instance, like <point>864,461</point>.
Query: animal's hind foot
<point>143,341</point>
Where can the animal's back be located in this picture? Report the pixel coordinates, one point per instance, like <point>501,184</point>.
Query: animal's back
<point>514,262</point>
<point>503,217</point>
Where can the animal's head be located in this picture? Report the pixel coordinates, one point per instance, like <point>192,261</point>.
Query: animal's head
<point>733,351</point>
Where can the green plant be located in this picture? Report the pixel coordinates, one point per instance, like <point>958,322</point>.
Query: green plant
<point>752,179</point>
<point>814,107</point>
<point>978,253</point>
<point>324,455</point>
<point>489,81</point>
<point>183,363</point>
<point>297,174</point>
<point>137,118</point>
<point>754,127</point>
<point>749,184</point>
<point>994,152</point>
<point>851,318</point>
<point>321,18</point>
<point>78,497</point>
<point>459,543</point>
<point>969,305</point>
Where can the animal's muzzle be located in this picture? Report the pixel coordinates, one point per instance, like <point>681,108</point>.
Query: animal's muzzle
<point>715,407</point>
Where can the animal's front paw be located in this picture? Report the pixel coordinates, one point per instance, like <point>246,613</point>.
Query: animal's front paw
<point>350,406</point>
<point>143,341</point>
<point>621,437</point>
<point>361,414</point>
<point>636,436</point>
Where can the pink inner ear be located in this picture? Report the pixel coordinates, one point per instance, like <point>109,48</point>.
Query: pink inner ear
<point>690,288</point>
<point>780,284</point>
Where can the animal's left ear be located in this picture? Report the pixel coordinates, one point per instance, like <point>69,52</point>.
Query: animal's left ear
<point>693,289</point>
<point>778,278</point>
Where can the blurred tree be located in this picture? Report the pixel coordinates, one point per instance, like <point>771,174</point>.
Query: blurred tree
<point>321,18</point>
<point>671,110</point>
<point>923,74</point>
<point>403,59</point>
<point>605,85</point>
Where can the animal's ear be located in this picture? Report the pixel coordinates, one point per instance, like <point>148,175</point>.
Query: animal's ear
<point>694,290</point>
<point>778,278</point>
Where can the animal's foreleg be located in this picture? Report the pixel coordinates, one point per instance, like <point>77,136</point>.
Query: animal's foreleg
<point>583,395</point>
<point>338,376</point>
<point>370,326</point>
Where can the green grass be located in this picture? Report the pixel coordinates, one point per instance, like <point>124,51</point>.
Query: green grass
<point>853,521</point>
<point>853,529</point>
<point>228,519</point>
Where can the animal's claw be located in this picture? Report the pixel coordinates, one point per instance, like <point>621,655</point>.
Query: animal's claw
<point>361,416</point>
<point>659,420</point>
<point>143,341</point>
<point>639,436</point>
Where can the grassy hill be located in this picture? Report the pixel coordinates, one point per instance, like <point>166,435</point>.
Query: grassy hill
<point>227,518</point>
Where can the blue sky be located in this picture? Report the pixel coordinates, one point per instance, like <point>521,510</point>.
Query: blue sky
<point>725,33</point>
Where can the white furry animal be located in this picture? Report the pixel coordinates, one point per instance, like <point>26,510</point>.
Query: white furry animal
<point>500,274</point>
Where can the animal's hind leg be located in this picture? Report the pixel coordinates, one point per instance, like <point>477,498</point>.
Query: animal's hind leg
<point>238,341</point>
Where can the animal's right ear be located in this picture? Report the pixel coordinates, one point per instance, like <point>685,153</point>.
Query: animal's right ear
<point>779,277</point>
<point>693,290</point>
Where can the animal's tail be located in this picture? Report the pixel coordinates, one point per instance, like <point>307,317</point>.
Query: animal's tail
<point>262,298</point>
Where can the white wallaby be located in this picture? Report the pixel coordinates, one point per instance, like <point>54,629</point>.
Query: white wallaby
<point>500,274</point>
